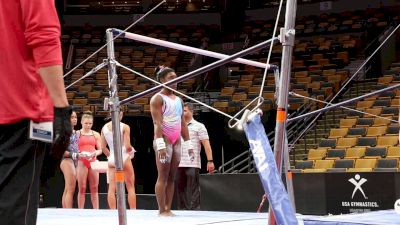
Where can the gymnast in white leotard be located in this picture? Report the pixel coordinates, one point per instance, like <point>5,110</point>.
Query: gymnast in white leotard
<point>127,154</point>
<point>108,135</point>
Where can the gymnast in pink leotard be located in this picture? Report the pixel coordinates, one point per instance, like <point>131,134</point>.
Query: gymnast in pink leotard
<point>89,147</point>
<point>169,124</point>
<point>171,118</point>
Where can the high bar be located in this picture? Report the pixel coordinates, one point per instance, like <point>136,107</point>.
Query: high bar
<point>185,48</point>
<point>203,69</point>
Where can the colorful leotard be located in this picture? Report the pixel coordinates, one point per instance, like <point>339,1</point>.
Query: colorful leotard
<point>87,143</point>
<point>73,144</point>
<point>172,116</point>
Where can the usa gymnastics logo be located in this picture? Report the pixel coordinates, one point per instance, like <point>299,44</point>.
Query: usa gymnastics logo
<point>357,181</point>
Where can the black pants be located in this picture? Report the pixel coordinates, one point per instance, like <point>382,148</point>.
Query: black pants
<point>20,165</point>
<point>187,188</point>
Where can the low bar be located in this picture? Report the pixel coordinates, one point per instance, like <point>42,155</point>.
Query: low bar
<point>346,102</point>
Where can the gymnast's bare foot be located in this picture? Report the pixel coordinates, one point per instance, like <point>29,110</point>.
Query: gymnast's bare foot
<point>166,214</point>
<point>170,213</point>
<point>163,214</point>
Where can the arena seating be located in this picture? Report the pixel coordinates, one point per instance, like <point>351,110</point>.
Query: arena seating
<point>371,142</point>
<point>318,63</point>
<point>141,58</point>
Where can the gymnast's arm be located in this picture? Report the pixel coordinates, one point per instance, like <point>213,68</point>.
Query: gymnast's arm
<point>42,35</point>
<point>156,103</point>
<point>127,137</point>
<point>155,109</point>
<point>67,153</point>
<point>98,144</point>
<point>104,148</point>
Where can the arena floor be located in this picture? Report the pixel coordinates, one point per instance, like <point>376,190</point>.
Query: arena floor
<point>149,217</point>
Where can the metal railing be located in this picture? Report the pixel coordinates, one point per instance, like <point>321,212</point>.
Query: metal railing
<point>244,162</point>
<point>68,62</point>
<point>371,46</point>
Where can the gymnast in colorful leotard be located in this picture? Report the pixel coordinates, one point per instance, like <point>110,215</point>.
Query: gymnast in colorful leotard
<point>68,165</point>
<point>169,124</point>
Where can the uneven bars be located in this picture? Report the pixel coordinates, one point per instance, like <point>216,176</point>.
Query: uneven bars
<point>203,70</point>
<point>94,70</point>
<point>345,102</point>
<point>185,48</point>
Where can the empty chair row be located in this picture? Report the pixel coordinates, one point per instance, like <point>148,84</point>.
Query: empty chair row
<point>372,112</point>
<point>364,122</point>
<point>345,142</point>
<point>378,103</point>
<point>363,131</point>
<point>324,73</point>
<point>354,153</point>
<point>383,101</point>
<point>348,165</point>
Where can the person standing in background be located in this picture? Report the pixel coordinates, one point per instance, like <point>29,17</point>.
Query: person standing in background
<point>89,147</point>
<point>187,178</point>
<point>68,165</point>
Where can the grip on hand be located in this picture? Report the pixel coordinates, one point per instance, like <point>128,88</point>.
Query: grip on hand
<point>62,131</point>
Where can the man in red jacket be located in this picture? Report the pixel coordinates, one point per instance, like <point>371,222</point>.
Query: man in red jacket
<point>31,85</point>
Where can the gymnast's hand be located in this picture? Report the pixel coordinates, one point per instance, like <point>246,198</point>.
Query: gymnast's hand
<point>81,155</point>
<point>92,155</point>
<point>161,148</point>
<point>85,155</point>
<point>162,155</point>
<point>62,131</point>
<point>131,151</point>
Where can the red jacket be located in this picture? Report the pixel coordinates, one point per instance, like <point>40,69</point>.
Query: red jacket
<point>29,39</point>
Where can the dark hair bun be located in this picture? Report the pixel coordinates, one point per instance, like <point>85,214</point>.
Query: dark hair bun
<point>161,71</point>
<point>158,69</point>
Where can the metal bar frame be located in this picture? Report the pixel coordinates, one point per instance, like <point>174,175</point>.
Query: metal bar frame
<point>114,106</point>
<point>287,36</point>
